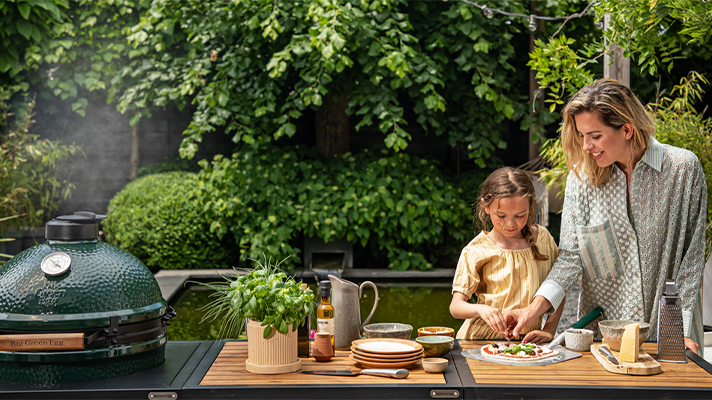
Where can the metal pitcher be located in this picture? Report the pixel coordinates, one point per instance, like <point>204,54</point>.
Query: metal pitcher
<point>345,298</point>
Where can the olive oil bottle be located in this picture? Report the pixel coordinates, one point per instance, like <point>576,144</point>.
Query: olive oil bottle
<point>325,311</point>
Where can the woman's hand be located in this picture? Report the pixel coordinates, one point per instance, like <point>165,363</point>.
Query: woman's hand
<point>538,337</point>
<point>516,320</point>
<point>689,344</point>
<point>519,318</point>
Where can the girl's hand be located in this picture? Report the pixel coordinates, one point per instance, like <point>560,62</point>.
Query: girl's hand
<point>538,337</point>
<point>493,317</point>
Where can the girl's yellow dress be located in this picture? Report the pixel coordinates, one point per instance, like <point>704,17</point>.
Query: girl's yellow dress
<point>500,278</point>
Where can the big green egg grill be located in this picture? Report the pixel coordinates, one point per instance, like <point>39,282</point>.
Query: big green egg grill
<point>75,308</point>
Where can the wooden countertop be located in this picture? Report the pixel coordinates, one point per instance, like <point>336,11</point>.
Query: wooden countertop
<point>229,369</point>
<point>222,374</point>
<point>584,371</point>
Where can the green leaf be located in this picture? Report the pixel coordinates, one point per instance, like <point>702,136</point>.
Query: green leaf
<point>327,51</point>
<point>24,9</point>
<point>253,22</point>
<point>5,63</point>
<point>135,119</point>
<point>337,41</point>
<point>290,130</point>
<point>223,97</point>
<point>81,103</point>
<point>49,6</point>
<point>374,49</point>
<point>24,27</point>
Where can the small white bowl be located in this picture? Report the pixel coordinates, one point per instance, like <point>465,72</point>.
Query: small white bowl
<point>434,365</point>
<point>578,339</point>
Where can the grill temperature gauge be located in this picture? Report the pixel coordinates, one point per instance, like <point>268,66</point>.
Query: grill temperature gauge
<point>56,264</point>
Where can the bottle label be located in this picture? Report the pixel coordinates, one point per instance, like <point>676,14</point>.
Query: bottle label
<point>326,325</point>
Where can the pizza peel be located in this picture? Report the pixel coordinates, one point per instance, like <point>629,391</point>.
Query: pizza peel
<point>564,355</point>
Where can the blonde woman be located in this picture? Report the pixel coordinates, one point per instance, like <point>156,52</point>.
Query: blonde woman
<point>634,215</point>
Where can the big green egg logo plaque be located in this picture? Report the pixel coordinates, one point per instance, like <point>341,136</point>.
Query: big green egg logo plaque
<point>56,264</point>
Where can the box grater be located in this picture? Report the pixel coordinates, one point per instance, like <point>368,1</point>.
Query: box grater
<point>671,339</point>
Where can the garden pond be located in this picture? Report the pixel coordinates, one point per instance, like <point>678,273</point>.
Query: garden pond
<point>417,304</point>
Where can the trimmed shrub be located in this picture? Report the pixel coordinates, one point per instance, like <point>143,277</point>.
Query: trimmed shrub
<point>159,219</point>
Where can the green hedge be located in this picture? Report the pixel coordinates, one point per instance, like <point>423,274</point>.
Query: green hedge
<point>403,206</point>
<point>159,219</point>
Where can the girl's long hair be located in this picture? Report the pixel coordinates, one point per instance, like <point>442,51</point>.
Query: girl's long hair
<point>509,182</point>
<point>615,105</point>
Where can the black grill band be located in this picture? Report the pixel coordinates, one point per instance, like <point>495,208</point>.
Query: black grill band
<point>115,334</point>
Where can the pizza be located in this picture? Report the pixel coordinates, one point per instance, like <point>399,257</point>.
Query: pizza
<point>517,351</point>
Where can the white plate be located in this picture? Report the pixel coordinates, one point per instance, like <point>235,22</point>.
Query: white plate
<point>387,346</point>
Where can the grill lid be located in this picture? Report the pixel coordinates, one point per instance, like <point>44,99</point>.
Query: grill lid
<point>75,282</point>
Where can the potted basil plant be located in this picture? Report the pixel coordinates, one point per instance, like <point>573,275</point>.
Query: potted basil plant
<point>273,304</point>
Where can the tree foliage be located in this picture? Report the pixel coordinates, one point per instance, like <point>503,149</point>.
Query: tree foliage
<point>32,183</point>
<point>26,32</point>
<point>655,34</point>
<point>394,204</point>
<point>254,67</point>
<point>69,49</point>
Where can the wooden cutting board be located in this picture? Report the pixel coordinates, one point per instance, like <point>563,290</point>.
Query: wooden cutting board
<point>646,364</point>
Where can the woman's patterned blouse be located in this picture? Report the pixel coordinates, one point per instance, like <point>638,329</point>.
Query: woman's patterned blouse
<point>626,250</point>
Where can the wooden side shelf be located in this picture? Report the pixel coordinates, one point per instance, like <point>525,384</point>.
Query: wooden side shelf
<point>228,369</point>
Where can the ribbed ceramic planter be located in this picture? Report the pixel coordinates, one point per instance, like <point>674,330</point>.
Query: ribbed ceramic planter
<point>275,355</point>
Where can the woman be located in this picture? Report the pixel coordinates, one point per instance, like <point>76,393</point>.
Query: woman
<point>634,215</point>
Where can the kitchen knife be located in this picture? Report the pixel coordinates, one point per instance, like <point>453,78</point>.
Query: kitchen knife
<point>390,373</point>
<point>604,350</point>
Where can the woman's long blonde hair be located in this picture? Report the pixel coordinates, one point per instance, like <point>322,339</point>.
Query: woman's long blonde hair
<point>509,182</point>
<point>615,105</point>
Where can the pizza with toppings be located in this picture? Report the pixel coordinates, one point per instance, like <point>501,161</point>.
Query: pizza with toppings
<point>517,351</point>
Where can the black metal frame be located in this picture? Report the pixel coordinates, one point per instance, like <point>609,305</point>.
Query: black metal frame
<point>188,362</point>
<point>181,360</point>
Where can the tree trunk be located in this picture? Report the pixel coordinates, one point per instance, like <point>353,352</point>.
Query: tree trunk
<point>134,159</point>
<point>615,65</point>
<point>332,127</point>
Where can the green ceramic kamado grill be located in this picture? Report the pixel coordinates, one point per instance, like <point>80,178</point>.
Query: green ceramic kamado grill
<point>75,308</point>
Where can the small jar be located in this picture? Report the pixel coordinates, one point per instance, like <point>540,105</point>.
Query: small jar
<point>323,351</point>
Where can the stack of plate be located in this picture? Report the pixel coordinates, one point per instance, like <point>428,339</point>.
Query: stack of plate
<point>386,353</point>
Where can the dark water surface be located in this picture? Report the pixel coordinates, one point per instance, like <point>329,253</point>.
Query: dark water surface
<point>414,304</point>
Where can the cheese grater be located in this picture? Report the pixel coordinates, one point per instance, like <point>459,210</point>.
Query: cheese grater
<point>671,340</point>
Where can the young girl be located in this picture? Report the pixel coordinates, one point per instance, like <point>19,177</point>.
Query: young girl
<point>504,267</point>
